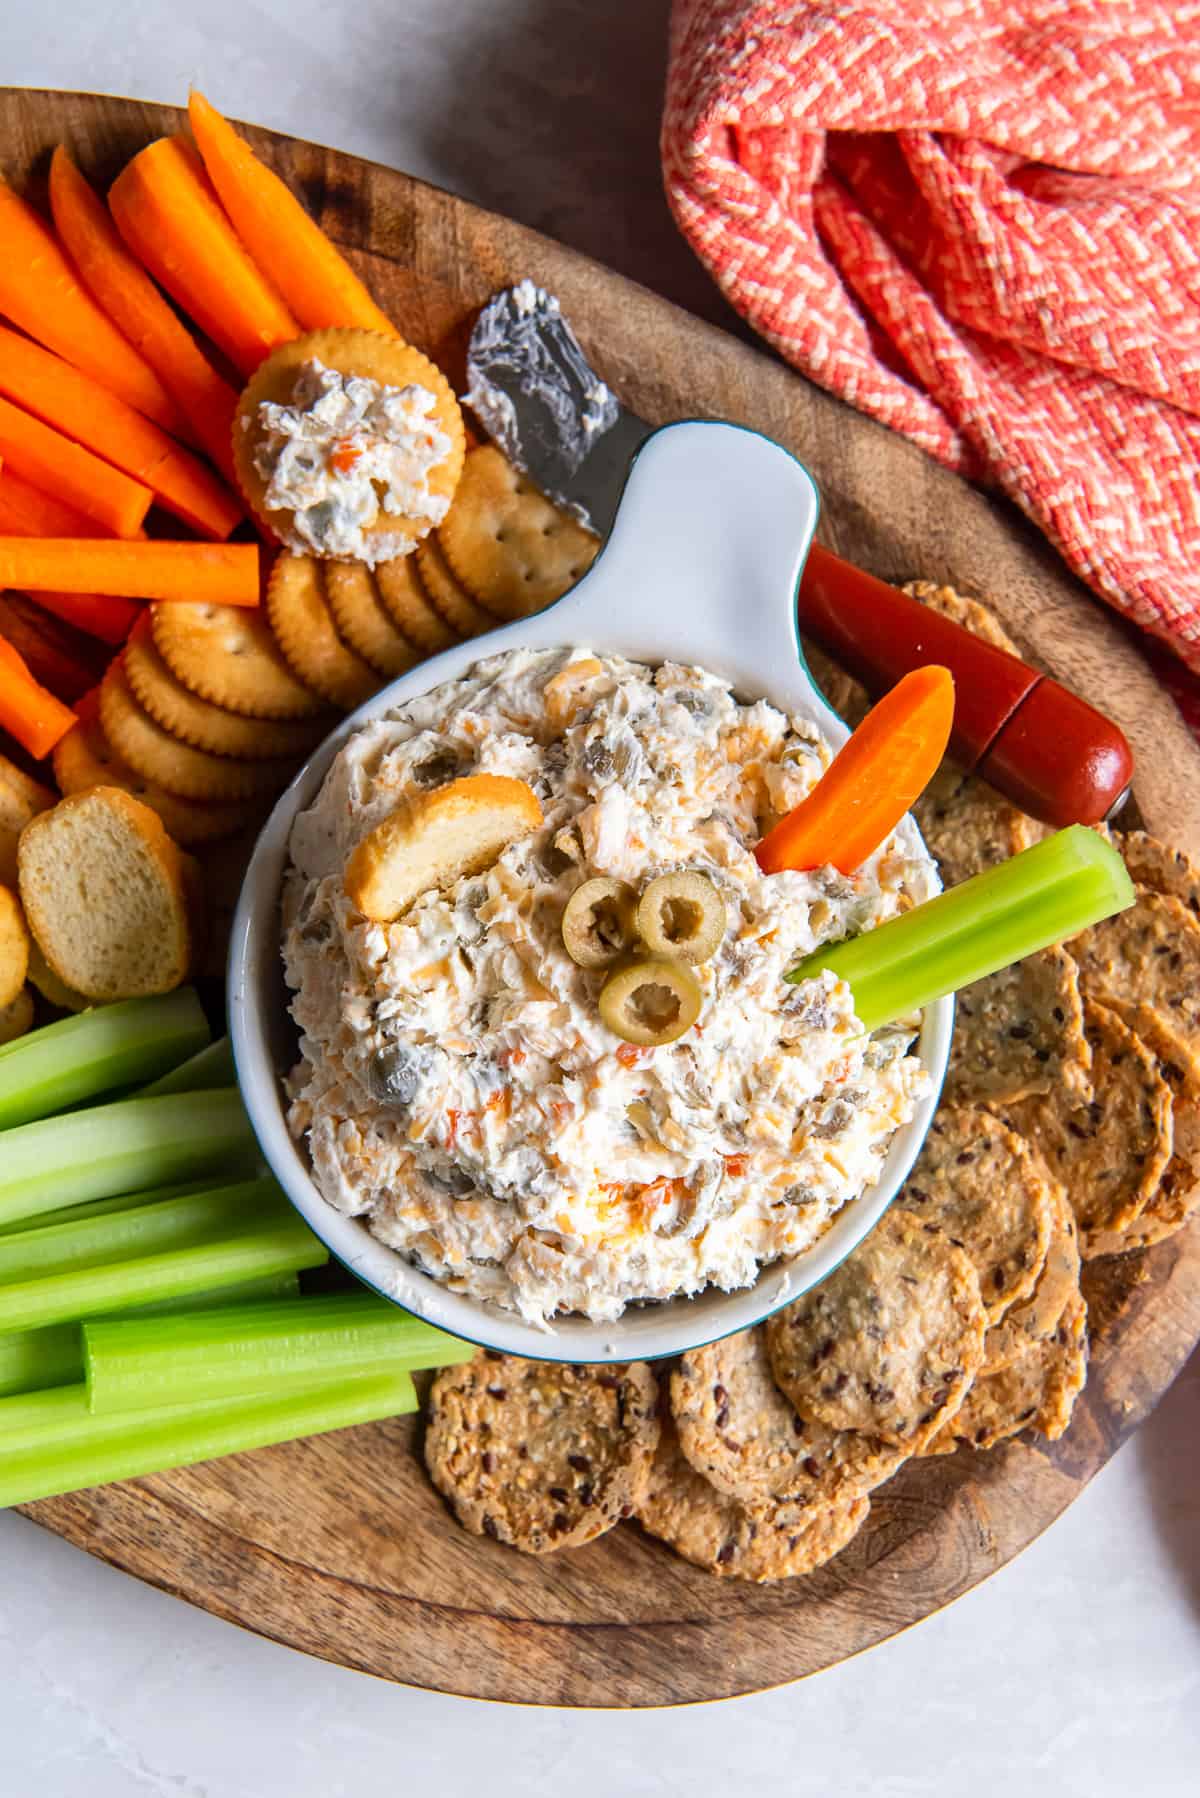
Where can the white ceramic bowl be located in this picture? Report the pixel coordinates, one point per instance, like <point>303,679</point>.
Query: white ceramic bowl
<point>701,567</point>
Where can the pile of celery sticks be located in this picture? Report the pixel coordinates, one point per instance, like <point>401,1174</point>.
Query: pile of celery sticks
<point>150,1306</point>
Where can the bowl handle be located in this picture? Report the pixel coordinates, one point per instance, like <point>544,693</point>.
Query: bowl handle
<point>704,557</point>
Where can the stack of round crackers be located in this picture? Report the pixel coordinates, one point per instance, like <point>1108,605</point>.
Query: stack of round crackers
<point>1069,1131</point>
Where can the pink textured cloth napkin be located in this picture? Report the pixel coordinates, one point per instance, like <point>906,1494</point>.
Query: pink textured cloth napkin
<point>980,222</point>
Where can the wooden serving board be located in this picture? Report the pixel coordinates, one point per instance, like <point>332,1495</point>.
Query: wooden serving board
<point>339,1546</point>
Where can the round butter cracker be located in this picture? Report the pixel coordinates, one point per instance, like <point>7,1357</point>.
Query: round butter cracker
<point>410,608</point>
<point>462,613</point>
<point>197,721</point>
<point>303,624</point>
<point>85,758</point>
<point>510,547</point>
<point>228,655</point>
<point>364,622</point>
<point>192,773</point>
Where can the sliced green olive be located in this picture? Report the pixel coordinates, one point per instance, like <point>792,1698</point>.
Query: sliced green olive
<point>650,1001</point>
<point>597,924</point>
<point>681,915</point>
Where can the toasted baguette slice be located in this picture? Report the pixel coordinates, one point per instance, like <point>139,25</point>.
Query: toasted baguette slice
<point>21,798</point>
<point>16,1018</point>
<point>107,895</point>
<point>56,992</point>
<point>432,840</point>
<point>14,947</point>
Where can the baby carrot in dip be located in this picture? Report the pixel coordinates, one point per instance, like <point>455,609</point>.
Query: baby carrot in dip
<point>871,782</point>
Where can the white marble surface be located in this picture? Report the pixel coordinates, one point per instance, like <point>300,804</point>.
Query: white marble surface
<point>1076,1671</point>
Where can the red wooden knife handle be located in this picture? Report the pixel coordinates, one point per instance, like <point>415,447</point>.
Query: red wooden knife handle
<point>1048,750</point>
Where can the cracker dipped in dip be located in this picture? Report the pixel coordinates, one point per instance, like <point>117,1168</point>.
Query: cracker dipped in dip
<point>459,1087</point>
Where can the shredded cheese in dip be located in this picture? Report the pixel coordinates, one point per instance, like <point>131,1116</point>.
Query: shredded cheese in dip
<point>347,454</point>
<point>457,1088</point>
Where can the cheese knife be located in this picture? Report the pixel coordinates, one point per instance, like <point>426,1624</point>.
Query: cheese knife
<point>1049,751</point>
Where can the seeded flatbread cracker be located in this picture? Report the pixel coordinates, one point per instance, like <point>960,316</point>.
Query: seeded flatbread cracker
<point>461,612</point>
<point>967,826</point>
<point>21,798</point>
<point>848,697</point>
<point>1177,1196</point>
<point>350,351</point>
<point>190,719</point>
<point>512,550</point>
<point>739,1431</point>
<point>363,622</point>
<point>1147,956</point>
<point>16,1017</point>
<point>1108,1155</point>
<point>85,758</point>
<point>1037,1391</point>
<point>1036,1317</point>
<point>192,773</point>
<point>681,1508</point>
<point>1163,870</point>
<point>540,1454</point>
<point>227,654</point>
<point>976,1181</point>
<point>304,629</point>
<point>398,584</point>
<point>970,613</point>
<point>890,1341</point>
<point>1019,1032</point>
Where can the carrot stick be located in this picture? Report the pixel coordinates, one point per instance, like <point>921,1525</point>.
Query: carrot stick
<point>27,511</point>
<point>213,573</point>
<point>40,291</point>
<point>34,717</point>
<point>62,396</point>
<point>166,209</point>
<point>871,782</point>
<point>314,278</point>
<point>102,615</point>
<point>55,656</point>
<point>120,284</point>
<point>60,467</point>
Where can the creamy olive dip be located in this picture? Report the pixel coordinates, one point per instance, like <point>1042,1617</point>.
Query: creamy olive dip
<point>347,454</point>
<point>457,1087</point>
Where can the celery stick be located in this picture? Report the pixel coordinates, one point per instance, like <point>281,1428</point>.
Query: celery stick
<point>1041,896</point>
<point>121,1201</point>
<point>210,1068</point>
<point>244,1292</point>
<point>80,1057</point>
<point>50,1442</point>
<point>33,1359</point>
<point>281,1244</point>
<point>118,1148</point>
<point>140,1230</point>
<point>133,1364</point>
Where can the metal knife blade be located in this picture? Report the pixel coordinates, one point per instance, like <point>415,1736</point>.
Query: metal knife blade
<point>536,395</point>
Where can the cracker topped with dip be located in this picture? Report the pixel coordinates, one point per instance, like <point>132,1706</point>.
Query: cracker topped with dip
<point>348,445</point>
